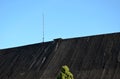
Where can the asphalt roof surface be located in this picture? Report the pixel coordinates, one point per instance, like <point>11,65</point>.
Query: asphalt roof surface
<point>92,57</point>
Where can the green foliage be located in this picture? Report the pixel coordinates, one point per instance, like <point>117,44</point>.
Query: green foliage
<point>65,73</point>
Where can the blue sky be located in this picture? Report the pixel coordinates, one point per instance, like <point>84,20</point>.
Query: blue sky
<point>21,20</point>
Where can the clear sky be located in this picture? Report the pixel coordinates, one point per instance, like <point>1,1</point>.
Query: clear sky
<point>21,20</point>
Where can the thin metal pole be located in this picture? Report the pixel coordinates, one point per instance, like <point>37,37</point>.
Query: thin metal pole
<point>43,26</point>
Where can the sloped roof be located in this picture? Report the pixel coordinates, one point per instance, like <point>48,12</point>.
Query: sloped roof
<point>92,57</point>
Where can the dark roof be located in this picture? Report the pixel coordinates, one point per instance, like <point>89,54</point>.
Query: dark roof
<point>92,57</point>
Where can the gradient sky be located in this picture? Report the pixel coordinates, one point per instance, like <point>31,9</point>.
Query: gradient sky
<point>21,20</point>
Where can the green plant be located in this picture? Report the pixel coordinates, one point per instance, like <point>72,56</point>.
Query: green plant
<point>65,73</point>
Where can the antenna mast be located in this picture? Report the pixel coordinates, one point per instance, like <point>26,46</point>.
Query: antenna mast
<point>43,26</point>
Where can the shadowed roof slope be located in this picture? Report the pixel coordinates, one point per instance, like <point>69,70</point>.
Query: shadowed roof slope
<point>93,57</point>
